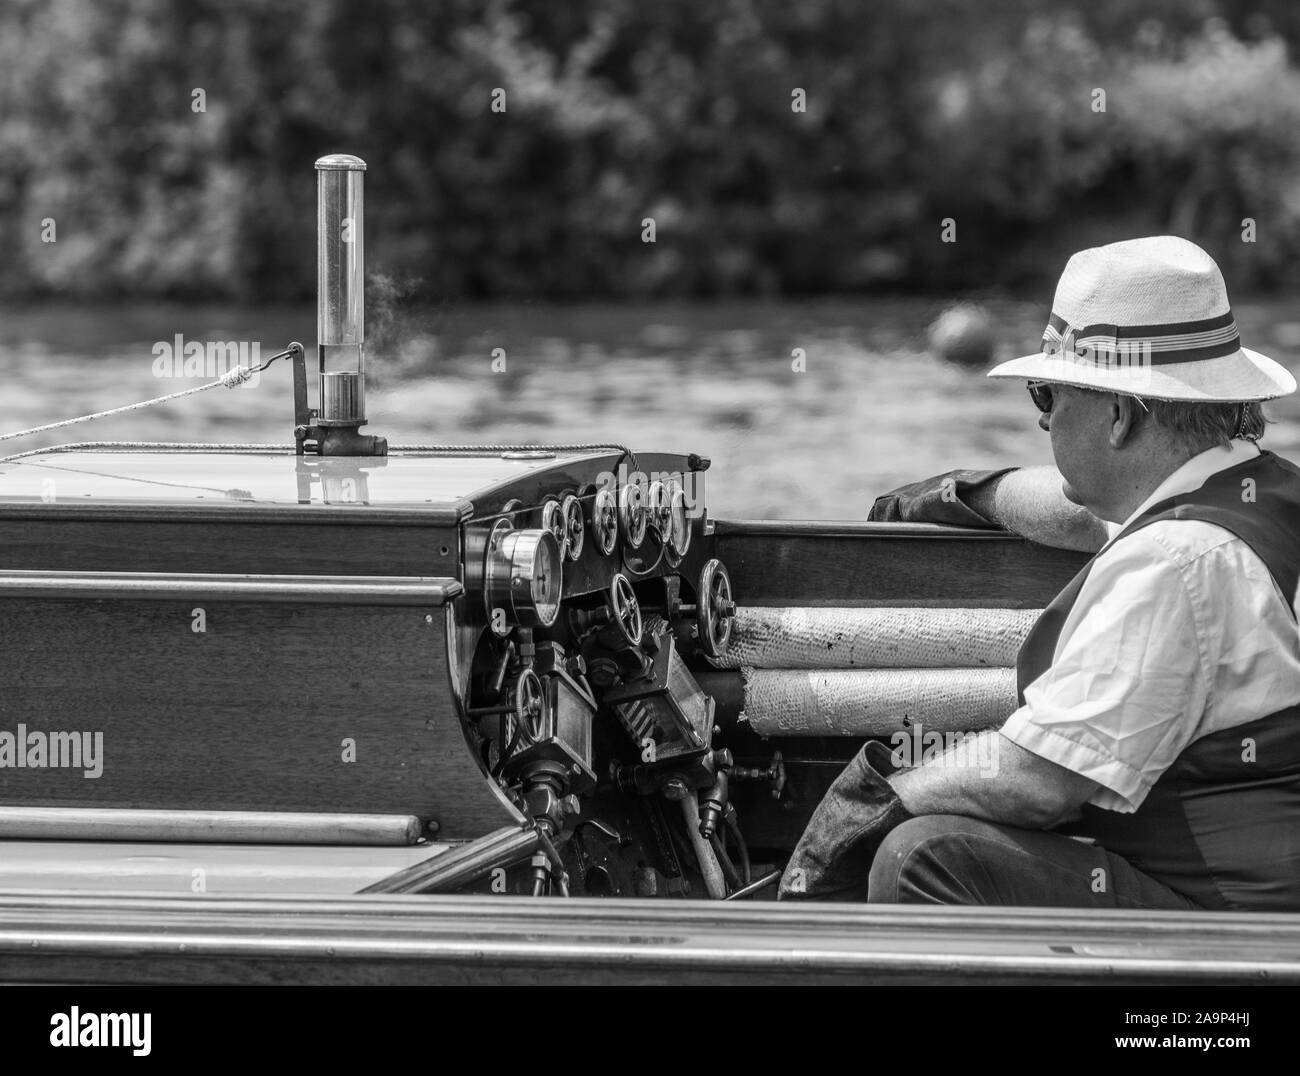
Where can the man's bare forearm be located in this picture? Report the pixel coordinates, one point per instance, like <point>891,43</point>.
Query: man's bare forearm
<point>988,776</point>
<point>1030,502</point>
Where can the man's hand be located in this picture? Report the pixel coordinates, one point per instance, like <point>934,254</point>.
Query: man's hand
<point>1022,789</point>
<point>945,498</point>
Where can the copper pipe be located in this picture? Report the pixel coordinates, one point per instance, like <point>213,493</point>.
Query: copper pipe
<point>467,863</point>
<point>206,827</point>
<point>168,586</point>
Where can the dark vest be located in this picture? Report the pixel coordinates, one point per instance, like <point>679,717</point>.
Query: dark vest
<point>1218,828</point>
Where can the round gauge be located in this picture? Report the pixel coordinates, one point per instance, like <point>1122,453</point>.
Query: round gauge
<point>679,521</point>
<point>523,576</point>
<point>604,521</point>
<point>575,528</point>
<point>633,517</point>
<point>553,521</point>
<point>658,508</point>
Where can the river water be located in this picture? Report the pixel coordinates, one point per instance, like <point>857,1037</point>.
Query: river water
<point>873,407</point>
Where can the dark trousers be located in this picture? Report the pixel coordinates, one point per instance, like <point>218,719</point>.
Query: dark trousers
<point>949,859</point>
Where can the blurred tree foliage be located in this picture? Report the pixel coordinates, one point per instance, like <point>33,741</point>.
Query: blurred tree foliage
<point>621,110</point>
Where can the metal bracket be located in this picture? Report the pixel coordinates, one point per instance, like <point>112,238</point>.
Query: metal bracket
<point>303,416</point>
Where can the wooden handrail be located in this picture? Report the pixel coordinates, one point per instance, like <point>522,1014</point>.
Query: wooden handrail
<point>843,528</point>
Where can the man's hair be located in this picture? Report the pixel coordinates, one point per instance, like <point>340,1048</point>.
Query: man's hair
<point>1205,425</point>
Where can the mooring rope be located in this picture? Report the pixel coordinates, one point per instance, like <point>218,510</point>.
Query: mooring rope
<point>179,446</point>
<point>231,379</point>
<point>145,446</point>
<point>465,450</point>
<point>236,377</point>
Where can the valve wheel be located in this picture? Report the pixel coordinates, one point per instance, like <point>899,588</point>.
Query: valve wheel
<point>556,521</point>
<point>715,609</point>
<point>626,609</point>
<point>530,706</point>
<point>659,510</point>
<point>575,526</point>
<point>635,515</point>
<point>679,524</point>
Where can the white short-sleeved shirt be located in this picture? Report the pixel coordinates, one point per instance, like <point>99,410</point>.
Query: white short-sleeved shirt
<point>1178,631</point>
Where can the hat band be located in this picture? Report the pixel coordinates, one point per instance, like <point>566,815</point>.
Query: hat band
<point>1142,345</point>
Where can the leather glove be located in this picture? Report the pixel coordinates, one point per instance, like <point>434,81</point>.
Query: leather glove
<point>832,860</point>
<point>944,498</point>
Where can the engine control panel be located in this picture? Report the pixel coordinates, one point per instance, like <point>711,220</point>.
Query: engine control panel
<point>590,599</point>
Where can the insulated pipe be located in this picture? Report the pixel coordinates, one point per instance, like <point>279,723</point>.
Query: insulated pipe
<point>898,638</point>
<point>876,702</point>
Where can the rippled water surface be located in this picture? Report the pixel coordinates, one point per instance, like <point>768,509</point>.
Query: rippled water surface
<point>873,408</point>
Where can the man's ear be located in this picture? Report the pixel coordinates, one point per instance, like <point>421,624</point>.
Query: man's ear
<point>1123,420</point>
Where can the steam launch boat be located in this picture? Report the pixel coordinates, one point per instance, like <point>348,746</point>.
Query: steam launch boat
<point>339,711</point>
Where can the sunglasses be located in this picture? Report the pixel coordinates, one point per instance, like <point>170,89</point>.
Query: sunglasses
<point>1041,393</point>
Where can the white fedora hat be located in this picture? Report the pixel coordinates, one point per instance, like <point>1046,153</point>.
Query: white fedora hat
<point>1149,317</point>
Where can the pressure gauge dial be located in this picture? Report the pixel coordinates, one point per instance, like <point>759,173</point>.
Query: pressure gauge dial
<point>679,521</point>
<point>633,516</point>
<point>575,527</point>
<point>604,521</point>
<point>523,576</point>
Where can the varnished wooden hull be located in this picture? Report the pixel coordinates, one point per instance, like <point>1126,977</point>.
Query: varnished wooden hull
<point>311,937</point>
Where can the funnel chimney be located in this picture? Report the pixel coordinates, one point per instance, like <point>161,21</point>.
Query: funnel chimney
<point>340,306</point>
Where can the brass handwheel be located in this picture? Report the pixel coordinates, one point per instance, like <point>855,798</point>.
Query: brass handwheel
<point>625,608</point>
<point>634,516</point>
<point>554,520</point>
<point>715,609</point>
<point>604,521</point>
<point>575,527</point>
<point>530,706</point>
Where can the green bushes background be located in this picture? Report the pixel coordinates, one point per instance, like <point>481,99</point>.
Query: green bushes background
<point>621,110</point>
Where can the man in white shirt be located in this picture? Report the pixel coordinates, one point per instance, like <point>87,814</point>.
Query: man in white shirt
<point>1154,760</point>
